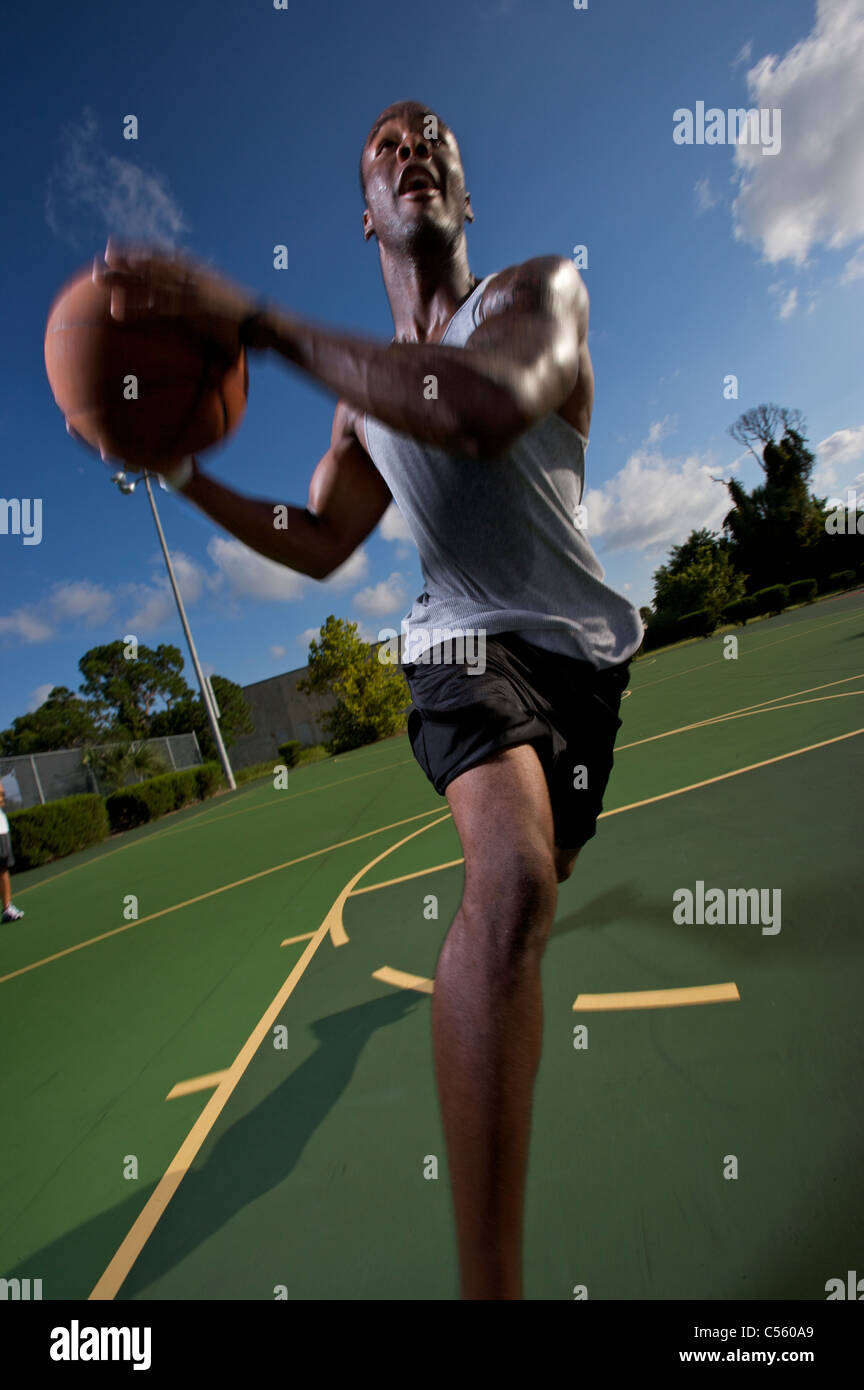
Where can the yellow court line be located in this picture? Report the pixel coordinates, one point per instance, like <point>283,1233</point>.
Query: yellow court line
<point>292,940</point>
<point>632,999</point>
<point>193,824</point>
<point>131,1247</point>
<point>658,998</point>
<point>214,892</point>
<point>744,709</point>
<point>724,776</point>
<point>198,1083</point>
<point>208,811</point>
<point>402,980</point>
<point>125,1257</point>
<point>294,796</point>
<point>418,873</point>
<point>338,933</point>
<point>754,651</point>
<point>772,709</point>
<point>333,920</point>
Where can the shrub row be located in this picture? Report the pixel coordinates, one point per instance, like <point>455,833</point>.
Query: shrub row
<point>843,579</point>
<point>665,628</point>
<point>158,795</point>
<point>43,833</point>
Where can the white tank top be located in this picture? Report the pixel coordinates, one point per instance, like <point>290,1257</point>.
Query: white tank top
<point>500,544</point>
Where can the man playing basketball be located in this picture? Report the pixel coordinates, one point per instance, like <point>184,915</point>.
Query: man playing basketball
<point>488,471</point>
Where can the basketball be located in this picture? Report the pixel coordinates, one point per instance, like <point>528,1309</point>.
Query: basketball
<point>145,393</point>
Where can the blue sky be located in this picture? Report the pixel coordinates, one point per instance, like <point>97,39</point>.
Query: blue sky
<point>703,261</point>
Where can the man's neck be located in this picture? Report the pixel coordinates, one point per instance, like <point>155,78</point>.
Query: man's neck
<point>424,298</point>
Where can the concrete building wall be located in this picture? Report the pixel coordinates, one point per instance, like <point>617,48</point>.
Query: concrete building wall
<point>279,712</point>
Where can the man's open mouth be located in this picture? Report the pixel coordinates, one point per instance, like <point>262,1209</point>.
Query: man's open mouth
<point>417,181</point>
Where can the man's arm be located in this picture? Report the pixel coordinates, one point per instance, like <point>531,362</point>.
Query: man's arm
<point>522,363</point>
<point>347,498</point>
<point>518,366</point>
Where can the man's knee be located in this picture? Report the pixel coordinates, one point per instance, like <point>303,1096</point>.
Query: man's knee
<point>517,894</point>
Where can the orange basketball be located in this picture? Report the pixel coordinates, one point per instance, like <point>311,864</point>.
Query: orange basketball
<point>143,393</point>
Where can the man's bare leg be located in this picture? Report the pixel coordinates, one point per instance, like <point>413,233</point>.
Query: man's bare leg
<point>5,888</point>
<point>488,1010</point>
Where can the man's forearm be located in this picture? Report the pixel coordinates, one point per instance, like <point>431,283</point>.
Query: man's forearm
<point>465,408</point>
<point>291,536</point>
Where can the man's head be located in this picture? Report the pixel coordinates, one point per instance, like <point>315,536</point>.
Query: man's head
<point>412,180</point>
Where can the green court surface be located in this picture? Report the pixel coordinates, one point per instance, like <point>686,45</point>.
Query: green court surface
<point>296,1157</point>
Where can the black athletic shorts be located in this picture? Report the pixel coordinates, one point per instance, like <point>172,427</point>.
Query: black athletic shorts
<point>7,858</point>
<point>565,708</point>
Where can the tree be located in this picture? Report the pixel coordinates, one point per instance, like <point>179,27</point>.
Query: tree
<point>61,721</point>
<point>776,532</point>
<point>699,574</point>
<point>130,686</point>
<point>188,715</point>
<point>682,556</point>
<point>763,424</point>
<point>371,696</point>
<point>123,760</point>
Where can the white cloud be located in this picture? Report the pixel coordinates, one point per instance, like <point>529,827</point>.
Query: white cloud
<point>91,189</point>
<point>69,603</point>
<point>705,198</point>
<point>660,428</point>
<point>743,54</point>
<point>836,458</point>
<point>155,604</point>
<point>853,269</point>
<point>310,635</point>
<point>369,634</point>
<point>394,527</point>
<point>276,652</point>
<point>27,626</point>
<point>154,610</point>
<point>250,575</point>
<point>654,502</point>
<point>789,305</point>
<point>812,190</point>
<point>383,598</point>
<point>81,601</point>
<point>40,695</point>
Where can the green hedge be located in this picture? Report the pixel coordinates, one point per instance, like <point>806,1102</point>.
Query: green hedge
<point>843,579</point>
<point>697,624</point>
<point>659,631</point>
<point>289,752</point>
<point>43,833</point>
<point>739,611</point>
<point>771,600</point>
<point>803,590</point>
<point>158,795</point>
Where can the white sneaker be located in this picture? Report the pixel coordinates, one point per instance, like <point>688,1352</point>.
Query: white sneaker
<point>12,913</point>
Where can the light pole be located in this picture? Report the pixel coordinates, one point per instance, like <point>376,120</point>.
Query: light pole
<point>127,485</point>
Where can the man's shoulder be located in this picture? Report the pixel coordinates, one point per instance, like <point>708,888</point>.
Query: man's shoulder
<point>532,285</point>
<point>349,427</point>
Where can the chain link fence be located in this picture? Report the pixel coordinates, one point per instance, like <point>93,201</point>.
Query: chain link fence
<point>32,779</point>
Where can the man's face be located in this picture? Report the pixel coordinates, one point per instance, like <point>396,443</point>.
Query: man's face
<point>415,184</point>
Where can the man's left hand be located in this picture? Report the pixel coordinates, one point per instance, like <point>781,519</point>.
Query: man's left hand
<point>148,284</point>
